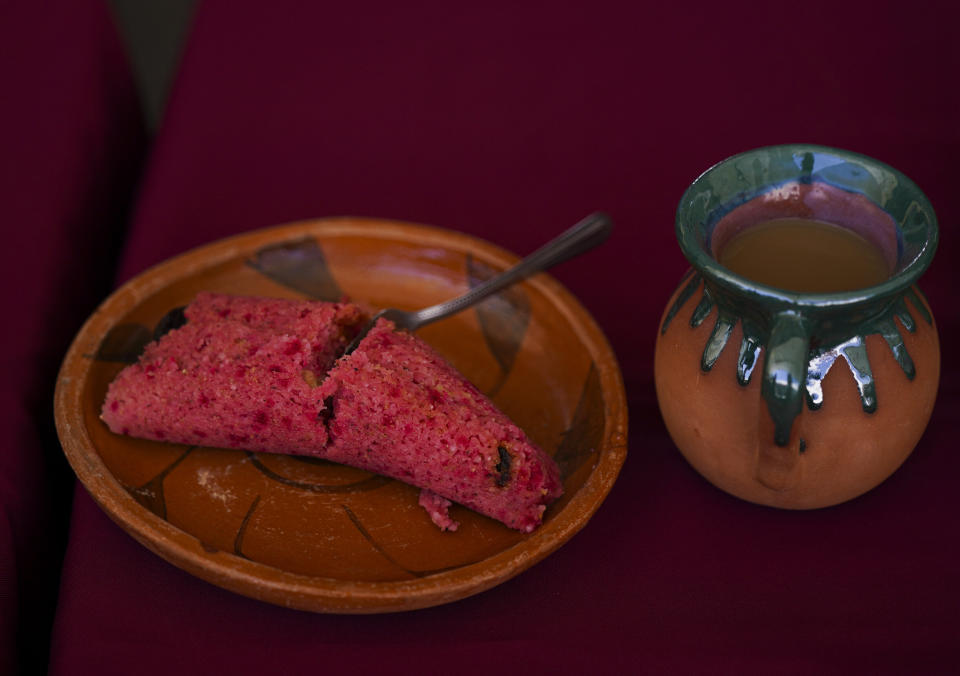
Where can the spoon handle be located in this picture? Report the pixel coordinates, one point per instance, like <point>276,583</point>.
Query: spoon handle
<point>585,235</point>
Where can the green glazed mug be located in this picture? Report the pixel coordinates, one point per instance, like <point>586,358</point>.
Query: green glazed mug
<point>799,399</point>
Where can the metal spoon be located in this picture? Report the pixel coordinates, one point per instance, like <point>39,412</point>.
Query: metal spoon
<point>585,235</point>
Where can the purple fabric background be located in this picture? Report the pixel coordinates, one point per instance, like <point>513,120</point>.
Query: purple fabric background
<point>71,147</point>
<point>509,122</point>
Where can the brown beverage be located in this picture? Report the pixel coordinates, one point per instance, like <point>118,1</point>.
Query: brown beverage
<point>805,256</point>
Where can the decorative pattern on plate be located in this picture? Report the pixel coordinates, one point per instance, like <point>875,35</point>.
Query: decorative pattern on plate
<point>299,265</point>
<point>503,319</point>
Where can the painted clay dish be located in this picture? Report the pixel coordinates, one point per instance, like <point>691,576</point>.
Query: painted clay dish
<point>313,535</point>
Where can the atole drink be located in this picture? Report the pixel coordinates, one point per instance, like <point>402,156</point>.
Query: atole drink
<point>797,362</point>
<point>805,255</point>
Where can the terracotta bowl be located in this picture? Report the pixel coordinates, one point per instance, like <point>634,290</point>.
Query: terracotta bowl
<point>314,535</point>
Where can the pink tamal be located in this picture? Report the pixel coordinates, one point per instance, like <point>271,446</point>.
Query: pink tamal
<point>264,375</point>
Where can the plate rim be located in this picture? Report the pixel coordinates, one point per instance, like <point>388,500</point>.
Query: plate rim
<point>314,593</point>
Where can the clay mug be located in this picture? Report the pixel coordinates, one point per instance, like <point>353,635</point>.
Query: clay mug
<point>799,399</point>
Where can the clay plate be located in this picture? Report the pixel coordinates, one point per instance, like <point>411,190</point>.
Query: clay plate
<point>318,536</point>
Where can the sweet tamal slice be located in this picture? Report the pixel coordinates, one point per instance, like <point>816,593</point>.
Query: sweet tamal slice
<point>240,373</point>
<point>263,375</point>
<point>396,407</point>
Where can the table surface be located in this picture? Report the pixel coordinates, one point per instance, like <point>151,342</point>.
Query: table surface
<point>508,122</point>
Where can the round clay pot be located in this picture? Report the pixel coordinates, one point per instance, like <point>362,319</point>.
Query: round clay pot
<point>799,400</point>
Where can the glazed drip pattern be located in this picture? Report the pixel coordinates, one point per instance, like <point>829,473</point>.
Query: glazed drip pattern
<point>821,357</point>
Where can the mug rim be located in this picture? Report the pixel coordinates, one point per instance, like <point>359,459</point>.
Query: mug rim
<point>699,255</point>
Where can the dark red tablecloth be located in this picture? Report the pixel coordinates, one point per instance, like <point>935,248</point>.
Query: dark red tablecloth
<point>510,122</point>
<point>71,147</point>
